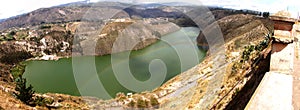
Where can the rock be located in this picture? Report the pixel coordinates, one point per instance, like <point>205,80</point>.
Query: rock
<point>11,52</point>
<point>55,105</point>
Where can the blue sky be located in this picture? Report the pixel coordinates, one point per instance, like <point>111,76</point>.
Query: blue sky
<point>10,8</point>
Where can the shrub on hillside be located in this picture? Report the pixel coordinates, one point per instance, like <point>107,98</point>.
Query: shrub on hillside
<point>142,103</point>
<point>24,93</point>
<point>18,70</point>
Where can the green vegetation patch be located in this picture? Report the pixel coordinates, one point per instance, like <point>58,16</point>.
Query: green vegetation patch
<point>18,70</point>
<point>24,93</point>
<point>246,54</point>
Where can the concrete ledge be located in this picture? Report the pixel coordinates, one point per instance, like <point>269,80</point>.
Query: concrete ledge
<point>273,93</point>
<point>282,58</point>
<point>283,36</point>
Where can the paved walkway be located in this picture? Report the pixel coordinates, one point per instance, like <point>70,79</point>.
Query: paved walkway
<point>296,85</point>
<point>273,93</point>
<point>296,74</point>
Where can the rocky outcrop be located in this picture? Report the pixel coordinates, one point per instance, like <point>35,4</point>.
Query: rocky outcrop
<point>40,41</point>
<point>126,35</point>
<point>10,54</point>
<point>13,53</point>
<point>230,28</point>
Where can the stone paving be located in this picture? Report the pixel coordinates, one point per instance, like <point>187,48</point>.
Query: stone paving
<point>282,58</point>
<point>273,93</point>
<point>296,86</point>
<point>296,72</point>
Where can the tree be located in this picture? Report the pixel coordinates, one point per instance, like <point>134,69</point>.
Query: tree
<point>18,70</point>
<point>10,35</point>
<point>25,93</point>
<point>266,14</point>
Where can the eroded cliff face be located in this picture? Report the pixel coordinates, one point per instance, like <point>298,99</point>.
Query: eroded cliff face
<point>118,36</point>
<point>235,25</point>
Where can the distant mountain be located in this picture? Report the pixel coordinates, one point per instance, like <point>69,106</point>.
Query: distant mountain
<point>59,14</point>
<point>79,3</point>
<point>45,15</point>
<point>103,10</point>
<point>156,5</point>
<point>150,5</point>
<point>76,11</point>
<point>178,4</point>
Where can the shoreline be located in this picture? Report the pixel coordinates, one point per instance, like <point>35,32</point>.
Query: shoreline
<point>54,57</point>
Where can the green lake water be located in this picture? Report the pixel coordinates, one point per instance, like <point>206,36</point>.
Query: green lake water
<point>58,76</point>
